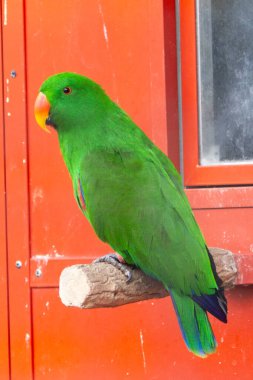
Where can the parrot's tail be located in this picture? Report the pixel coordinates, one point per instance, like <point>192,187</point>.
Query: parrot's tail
<point>195,326</point>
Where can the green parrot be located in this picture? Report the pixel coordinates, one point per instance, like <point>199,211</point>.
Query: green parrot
<point>133,197</point>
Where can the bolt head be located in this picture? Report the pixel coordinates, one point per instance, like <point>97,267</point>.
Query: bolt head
<point>38,272</point>
<point>13,73</point>
<point>18,264</point>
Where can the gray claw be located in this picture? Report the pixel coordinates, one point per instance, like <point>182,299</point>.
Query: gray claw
<point>112,259</point>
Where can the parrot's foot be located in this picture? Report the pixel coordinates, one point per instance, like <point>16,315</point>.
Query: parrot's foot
<point>113,259</point>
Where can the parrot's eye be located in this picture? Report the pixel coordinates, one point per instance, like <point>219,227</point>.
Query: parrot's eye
<point>67,90</point>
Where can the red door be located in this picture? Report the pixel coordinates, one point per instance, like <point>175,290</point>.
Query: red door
<point>130,49</point>
<point>4,330</point>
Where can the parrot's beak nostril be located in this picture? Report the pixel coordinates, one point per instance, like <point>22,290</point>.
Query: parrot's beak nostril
<point>41,111</point>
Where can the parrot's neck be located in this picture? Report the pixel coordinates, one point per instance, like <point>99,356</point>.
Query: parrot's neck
<point>77,144</point>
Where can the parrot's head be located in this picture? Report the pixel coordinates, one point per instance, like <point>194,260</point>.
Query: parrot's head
<point>66,98</point>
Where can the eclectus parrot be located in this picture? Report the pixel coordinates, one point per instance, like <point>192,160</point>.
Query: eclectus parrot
<point>133,197</point>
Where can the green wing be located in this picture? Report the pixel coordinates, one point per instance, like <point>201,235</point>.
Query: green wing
<point>134,205</point>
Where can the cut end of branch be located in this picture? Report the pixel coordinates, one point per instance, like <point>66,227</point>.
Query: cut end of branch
<point>74,286</point>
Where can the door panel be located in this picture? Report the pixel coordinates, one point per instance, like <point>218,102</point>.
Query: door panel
<point>4,324</point>
<point>16,179</point>
<point>116,55</point>
<point>138,341</point>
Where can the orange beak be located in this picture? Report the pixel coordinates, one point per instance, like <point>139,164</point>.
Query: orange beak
<point>41,111</point>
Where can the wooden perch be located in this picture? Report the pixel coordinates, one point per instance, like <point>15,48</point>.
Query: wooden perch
<point>102,285</point>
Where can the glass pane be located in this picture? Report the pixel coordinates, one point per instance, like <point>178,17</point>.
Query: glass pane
<point>225,81</point>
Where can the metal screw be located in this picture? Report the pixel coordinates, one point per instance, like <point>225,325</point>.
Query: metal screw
<point>13,73</point>
<point>18,264</point>
<point>38,272</point>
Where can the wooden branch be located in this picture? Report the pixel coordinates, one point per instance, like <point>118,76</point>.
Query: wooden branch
<point>102,285</point>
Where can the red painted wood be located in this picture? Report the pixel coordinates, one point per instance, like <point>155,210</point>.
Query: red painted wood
<point>17,191</point>
<point>221,197</point>
<point>128,61</point>
<point>196,175</point>
<point>244,265</point>
<point>227,228</point>
<point>4,325</point>
<point>139,341</point>
<point>50,268</point>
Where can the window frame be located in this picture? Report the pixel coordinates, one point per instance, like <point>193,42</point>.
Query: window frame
<point>196,175</point>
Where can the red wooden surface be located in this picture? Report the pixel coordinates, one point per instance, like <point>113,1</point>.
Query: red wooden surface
<point>120,45</point>
<point>127,60</point>
<point>15,117</point>
<point>139,341</point>
<point>195,174</point>
<point>4,328</point>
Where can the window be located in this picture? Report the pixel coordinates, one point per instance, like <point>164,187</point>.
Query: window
<point>218,109</point>
<point>225,81</point>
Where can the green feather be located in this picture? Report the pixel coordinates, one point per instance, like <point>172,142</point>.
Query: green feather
<point>194,325</point>
<point>134,198</point>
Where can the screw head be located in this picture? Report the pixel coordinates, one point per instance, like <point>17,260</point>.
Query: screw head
<point>18,264</point>
<point>13,73</point>
<point>38,272</point>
